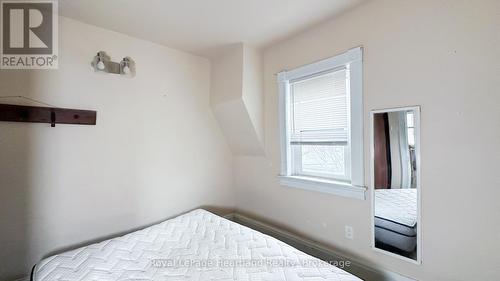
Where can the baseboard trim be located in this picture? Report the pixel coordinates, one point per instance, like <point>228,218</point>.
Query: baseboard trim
<point>356,267</point>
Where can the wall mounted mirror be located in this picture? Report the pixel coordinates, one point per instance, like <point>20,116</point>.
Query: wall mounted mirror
<point>396,182</point>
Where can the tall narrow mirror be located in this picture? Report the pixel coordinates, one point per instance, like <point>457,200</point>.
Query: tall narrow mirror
<point>396,181</point>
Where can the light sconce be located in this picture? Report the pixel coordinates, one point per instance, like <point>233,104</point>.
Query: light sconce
<point>100,61</point>
<point>125,66</point>
<point>103,63</point>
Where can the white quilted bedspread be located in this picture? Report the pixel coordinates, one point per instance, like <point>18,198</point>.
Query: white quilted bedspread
<point>397,205</point>
<point>195,246</point>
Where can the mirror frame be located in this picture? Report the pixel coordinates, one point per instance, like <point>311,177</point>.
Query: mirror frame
<point>416,110</point>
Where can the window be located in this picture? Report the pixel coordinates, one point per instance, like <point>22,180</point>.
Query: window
<point>321,125</point>
<point>411,128</point>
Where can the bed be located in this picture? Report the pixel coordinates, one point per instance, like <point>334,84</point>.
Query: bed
<point>396,218</point>
<point>195,246</point>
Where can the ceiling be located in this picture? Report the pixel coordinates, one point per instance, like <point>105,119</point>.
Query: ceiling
<point>204,26</point>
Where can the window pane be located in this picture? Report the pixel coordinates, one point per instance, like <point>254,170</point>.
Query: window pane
<point>411,136</point>
<point>319,131</point>
<point>409,120</point>
<point>323,160</point>
<point>320,108</point>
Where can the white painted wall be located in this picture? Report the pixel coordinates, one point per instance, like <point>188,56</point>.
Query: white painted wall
<point>236,95</point>
<point>442,55</point>
<point>253,89</point>
<point>226,75</point>
<point>156,151</point>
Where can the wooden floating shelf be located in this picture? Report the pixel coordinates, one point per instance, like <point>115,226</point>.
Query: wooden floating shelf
<point>51,115</point>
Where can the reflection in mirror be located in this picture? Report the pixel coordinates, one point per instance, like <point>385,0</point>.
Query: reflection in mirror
<point>395,181</point>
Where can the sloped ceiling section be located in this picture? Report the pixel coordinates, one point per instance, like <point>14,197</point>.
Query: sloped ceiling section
<point>236,97</point>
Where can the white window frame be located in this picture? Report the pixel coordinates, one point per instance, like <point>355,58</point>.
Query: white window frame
<point>352,60</point>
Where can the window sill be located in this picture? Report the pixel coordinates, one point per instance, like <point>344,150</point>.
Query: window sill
<point>325,186</point>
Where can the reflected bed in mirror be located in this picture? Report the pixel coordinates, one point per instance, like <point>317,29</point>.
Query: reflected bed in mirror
<point>395,181</point>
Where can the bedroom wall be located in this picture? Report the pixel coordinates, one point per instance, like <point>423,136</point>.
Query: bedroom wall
<point>442,55</point>
<point>156,151</point>
<point>253,89</point>
<point>236,95</point>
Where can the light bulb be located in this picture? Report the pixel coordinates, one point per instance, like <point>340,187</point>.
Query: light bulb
<point>126,69</point>
<point>100,65</point>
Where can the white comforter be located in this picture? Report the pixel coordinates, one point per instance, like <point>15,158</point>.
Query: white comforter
<point>196,246</point>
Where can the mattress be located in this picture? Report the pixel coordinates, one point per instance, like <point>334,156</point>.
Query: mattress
<point>397,205</point>
<point>195,246</point>
<point>394,239</point>
<point>396,235</point>
<point>396,227</point>
<point>396,218</point>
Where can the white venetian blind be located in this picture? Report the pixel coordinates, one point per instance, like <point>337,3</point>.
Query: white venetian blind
<point>320,109</point>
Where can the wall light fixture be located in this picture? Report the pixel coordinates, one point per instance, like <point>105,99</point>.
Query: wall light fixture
<point>102,63</point>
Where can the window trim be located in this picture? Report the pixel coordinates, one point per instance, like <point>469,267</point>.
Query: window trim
<point>352,59</point>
